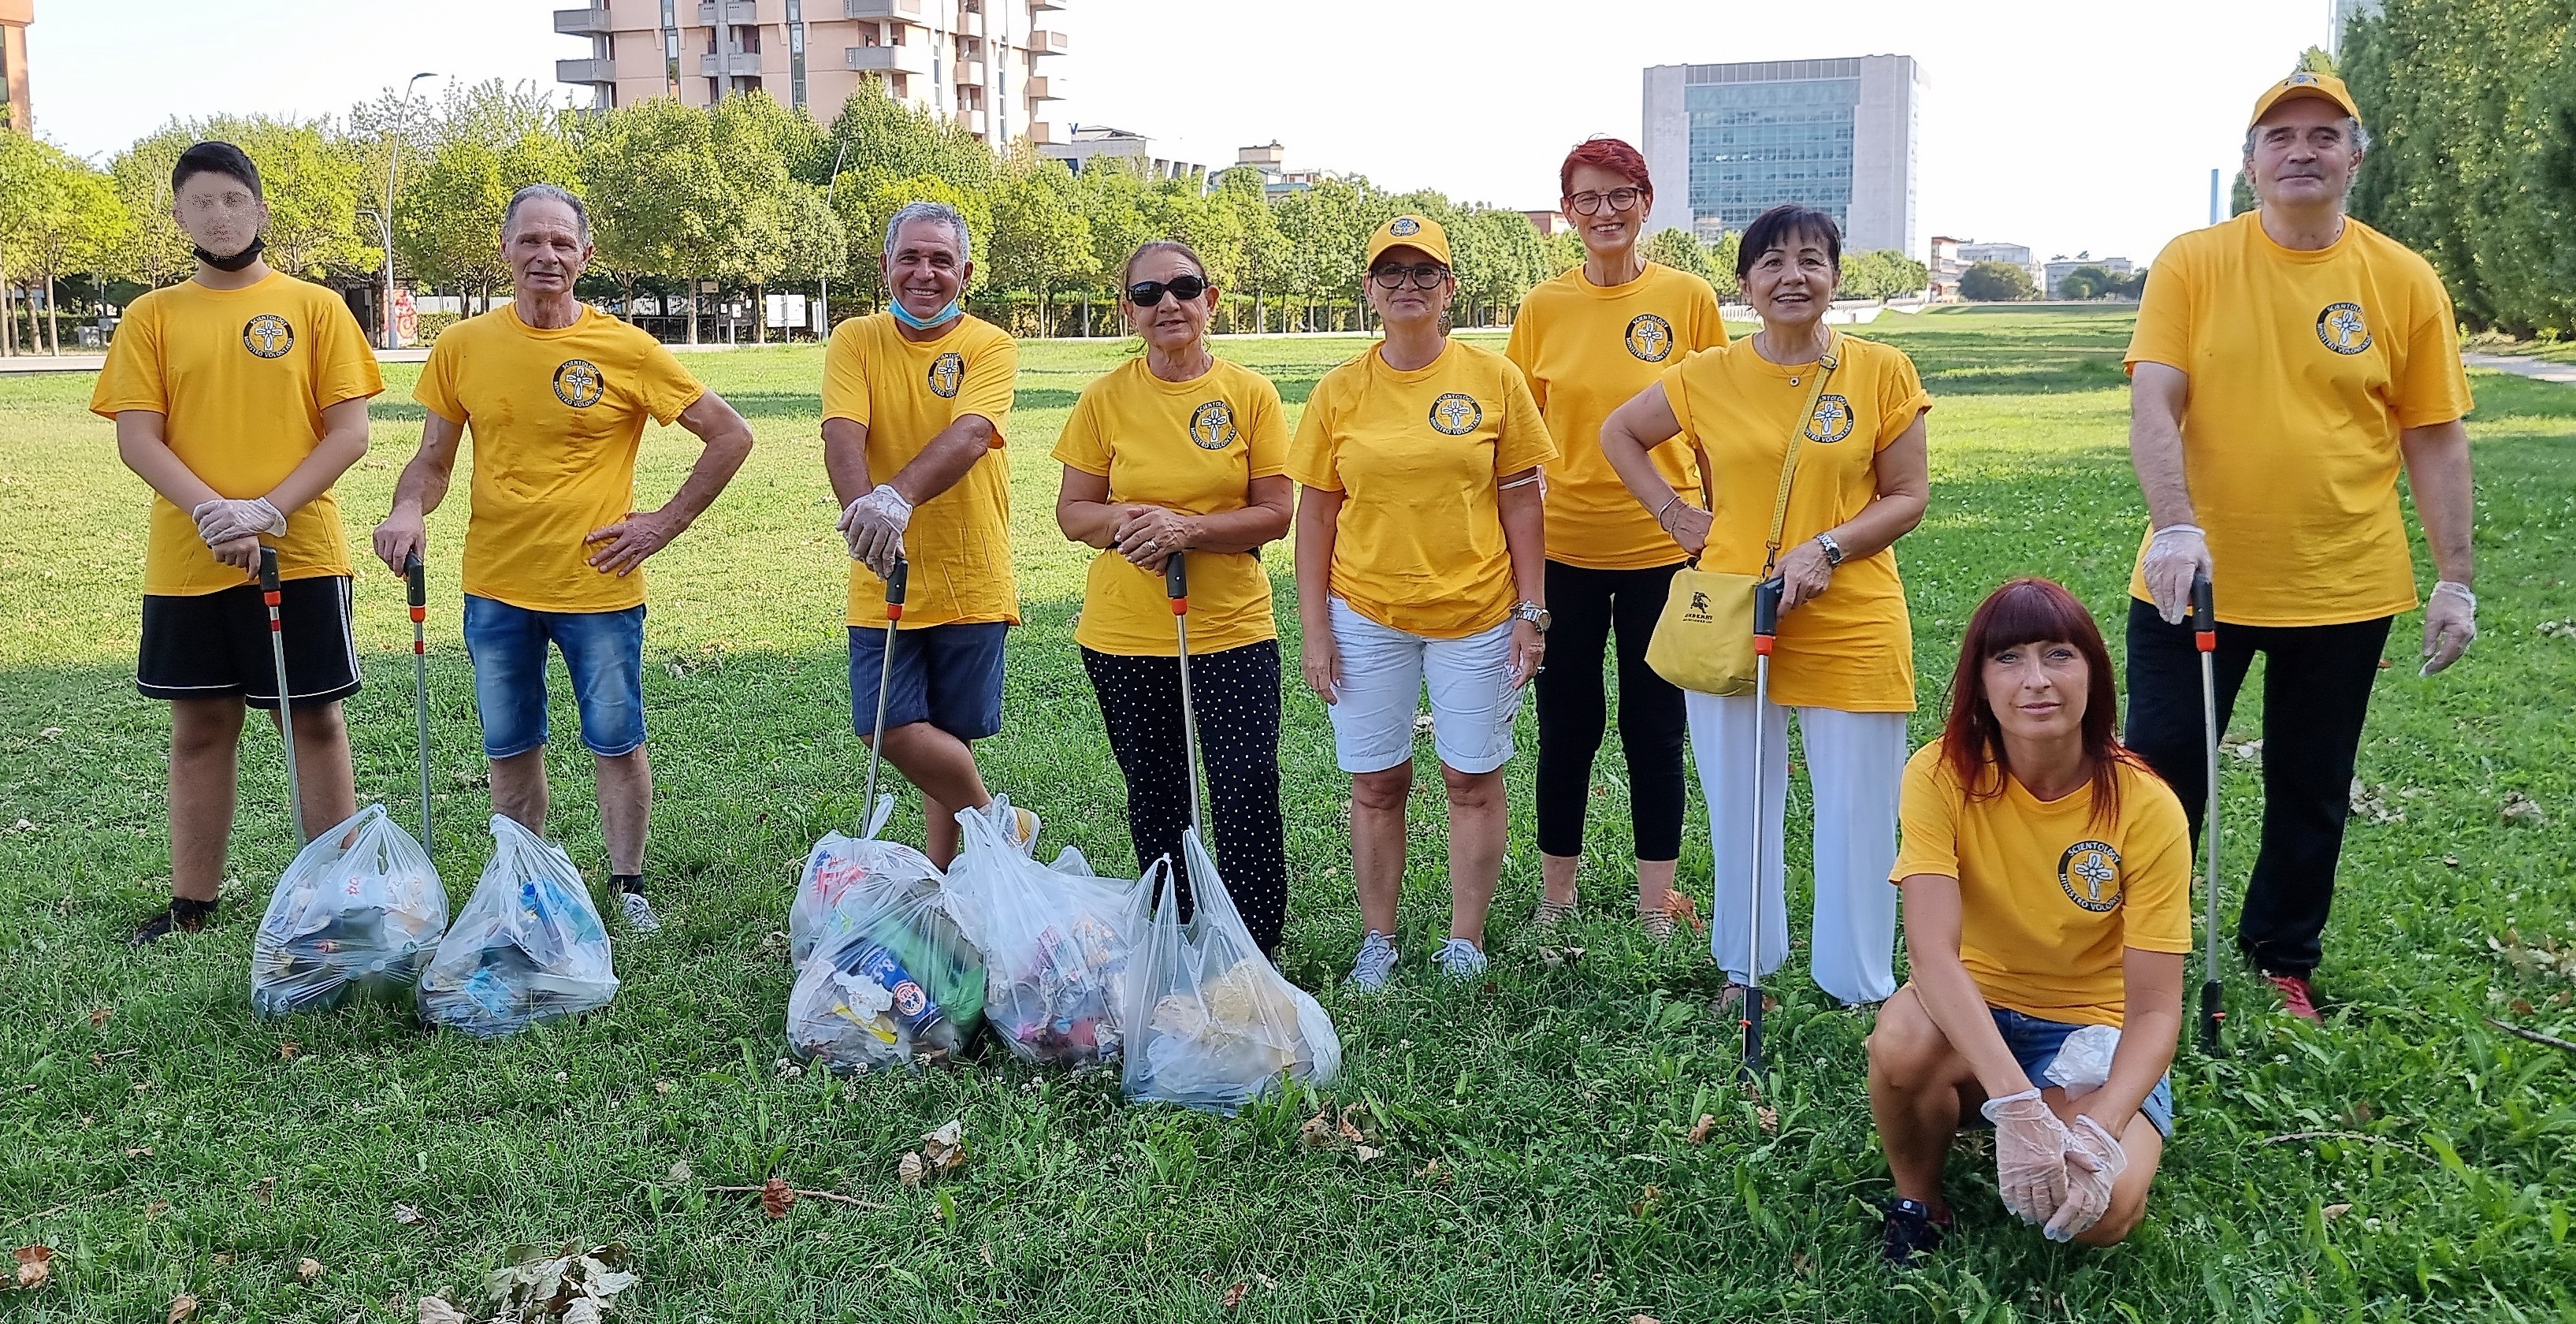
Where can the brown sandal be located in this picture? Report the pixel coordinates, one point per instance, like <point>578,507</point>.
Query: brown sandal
<point>1551,912</point>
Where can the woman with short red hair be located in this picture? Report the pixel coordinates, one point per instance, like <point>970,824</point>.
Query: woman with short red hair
<point>1587,341</point>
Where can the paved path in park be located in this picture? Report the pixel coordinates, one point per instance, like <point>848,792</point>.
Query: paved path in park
<point>2539,369</point>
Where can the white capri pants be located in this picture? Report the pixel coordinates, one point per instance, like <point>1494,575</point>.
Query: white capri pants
<point>1855,764</point>
<point>1384,671</point>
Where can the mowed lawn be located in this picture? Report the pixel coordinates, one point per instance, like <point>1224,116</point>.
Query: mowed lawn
<point>2409,1161</point>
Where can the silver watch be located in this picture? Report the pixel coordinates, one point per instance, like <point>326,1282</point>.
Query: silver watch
<point>1833,550</point>
<point>1533,613</point>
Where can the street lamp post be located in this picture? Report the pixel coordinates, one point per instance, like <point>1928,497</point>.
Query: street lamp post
<point>385,218</point>
<point>826,276</point>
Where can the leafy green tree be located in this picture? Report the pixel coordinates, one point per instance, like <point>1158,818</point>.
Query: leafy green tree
<point>867,205</point>
<point>1040,241</point>
<point>69,220</point>
<point>27,182</point>
<point>158,253</point>
<point>1996,282</point>
<point>310,176</point>
<point>1679,249</point>
<point>487,142</point>
<point>1266,252</point>
<point>1721,265</point>
<point>659,193</point>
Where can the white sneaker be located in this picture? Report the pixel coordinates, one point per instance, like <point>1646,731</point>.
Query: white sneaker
<point>1019,826</point>
<point>1377,961</point>
<point>639,913</point>
<point>1460,959</point>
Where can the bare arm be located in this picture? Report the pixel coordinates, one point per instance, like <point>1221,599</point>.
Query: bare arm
<point>420,489</point>
<point>845,459</point>
<point>142,441</point>
<point>1633,430</point>
<point>2157,394</point>
<point>1148,535</point>
<point>1319,514</point>
<point>2437,468</point>
<point>1084,511</point>
<point>1950,996</point>
<point>1524,517</point>
<point>2152,1025</point>
<point>343,443</point>
<point>1902,472</point>
<point>640,535</point>
<point>946,459</point>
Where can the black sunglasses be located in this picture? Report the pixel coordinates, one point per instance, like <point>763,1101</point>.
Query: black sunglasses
<point>1425,275</point>
<point>1149,293</point>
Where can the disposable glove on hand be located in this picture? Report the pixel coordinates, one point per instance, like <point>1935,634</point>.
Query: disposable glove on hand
<point>224,519</point>
<point>2450,625</point>
<point>2030,1155</point>
<point>2174,556</point>
<point>874,526</point>
<point>2094,1162</point>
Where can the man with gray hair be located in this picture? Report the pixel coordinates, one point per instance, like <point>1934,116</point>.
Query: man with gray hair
<point>2287,365</point>
<point>555,393</point>
<point>915,400</point>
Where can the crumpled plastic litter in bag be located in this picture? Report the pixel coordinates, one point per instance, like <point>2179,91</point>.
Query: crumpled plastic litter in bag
<point>900,987</point>
<point>839,870</point>
<point>528,946</point>
<point>2083,1062</point>
<point>1055,941</point>
<point>355,917</point>
<point>1212,1024</point>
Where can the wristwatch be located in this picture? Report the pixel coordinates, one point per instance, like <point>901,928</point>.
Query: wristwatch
<point>1833,550</point>
<point>1533,613</point>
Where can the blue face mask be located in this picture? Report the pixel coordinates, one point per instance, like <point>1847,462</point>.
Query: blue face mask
<point>904,315</point>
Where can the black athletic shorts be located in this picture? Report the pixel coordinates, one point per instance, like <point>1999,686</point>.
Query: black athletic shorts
<point>215,645</point>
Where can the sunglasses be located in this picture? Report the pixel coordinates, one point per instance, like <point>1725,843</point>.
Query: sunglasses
<point>1619,199</point>
<point>1425,275</point>
<point>1149,293</point>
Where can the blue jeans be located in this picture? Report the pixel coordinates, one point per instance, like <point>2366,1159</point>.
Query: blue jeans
<point>603,650</point>
<point>947,675</point>
<point>2035,1043</point>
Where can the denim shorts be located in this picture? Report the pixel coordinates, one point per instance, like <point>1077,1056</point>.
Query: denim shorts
<point>947,675</point>
<point>2035,1042</point>
<point>604,651</point>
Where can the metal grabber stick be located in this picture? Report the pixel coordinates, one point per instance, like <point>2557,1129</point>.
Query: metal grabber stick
<point>270,594</point>
<point>2204,636</point>
<point>1766,627</point>
<point>1176,586</point>
<point>418,590</point>
<point>894,586</point>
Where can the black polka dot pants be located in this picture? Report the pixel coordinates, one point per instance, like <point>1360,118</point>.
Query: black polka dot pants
<point>1237,695</point>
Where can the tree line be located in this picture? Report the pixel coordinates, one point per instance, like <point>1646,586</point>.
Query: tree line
<point>747,196</point>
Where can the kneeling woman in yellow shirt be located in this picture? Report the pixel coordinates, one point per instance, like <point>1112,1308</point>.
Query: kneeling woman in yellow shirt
<point>2047,882</point>
<point>1421,557</point>
<point>1180,453</point>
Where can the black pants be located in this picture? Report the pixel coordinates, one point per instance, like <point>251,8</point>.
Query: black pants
<point>1237,695</point>
<point>1573,708</point>
<point>2316,693</point>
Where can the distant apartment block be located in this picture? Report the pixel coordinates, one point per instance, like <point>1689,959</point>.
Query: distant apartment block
<point>2053,275</point>
<point>1085,143</point>
<point>1837,135</point>
<point>1270,161</point>
<point>979,62</point>
<point>16,112</point>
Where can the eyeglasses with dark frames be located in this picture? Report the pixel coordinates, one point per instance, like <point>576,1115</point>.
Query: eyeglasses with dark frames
<point>1619,199</point>
<point>1425,275</point>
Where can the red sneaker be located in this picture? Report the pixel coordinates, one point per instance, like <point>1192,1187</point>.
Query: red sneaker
<point>2297,998</point>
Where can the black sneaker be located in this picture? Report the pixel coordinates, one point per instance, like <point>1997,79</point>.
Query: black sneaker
<point>1913,1231</point>
<point>180,916</point>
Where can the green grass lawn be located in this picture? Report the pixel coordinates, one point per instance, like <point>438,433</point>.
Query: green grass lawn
<point>2407,1162</point>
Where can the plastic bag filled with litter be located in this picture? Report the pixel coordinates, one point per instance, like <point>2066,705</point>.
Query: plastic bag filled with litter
<point>1055,942</point>
<point>529,945</point>
<point>1212,1024</point>
<point>839,870</point>
<point>901,987</point>
<point>354,917</point>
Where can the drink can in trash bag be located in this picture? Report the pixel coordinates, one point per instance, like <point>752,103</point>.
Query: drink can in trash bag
<point>912,1004</point>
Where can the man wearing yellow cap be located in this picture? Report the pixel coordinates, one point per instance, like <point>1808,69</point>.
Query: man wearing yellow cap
<point>2286,364</point>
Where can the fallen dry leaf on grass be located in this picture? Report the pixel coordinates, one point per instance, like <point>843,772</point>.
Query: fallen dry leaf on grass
<point>1643,1319</point>
<point>1769,1117</point>
<point>1646,1201</point>
<point>286,1051</point>
<point>440,1310</point>
<point>2335,1211</point>
<point>776,1196</point>
<point>35,1266</point>
<point>182,1307</point>
<point>266,1189</point>
<point>910,1170</point>
<point>664,1086</point>
<point>945,1149</point>
<point>2520,808</point>
<point>1800,1265</point>
<point>1685,910</point>
<point>403,1214</point>
<point>156,1209</point>
<point>1234,1294</point>
<point>681,1171</point>
<point>139,1151</point>
<point>1366,1154</point>
<point>573,1287</point>
<point>1317,1133</point>
<point>307,1269</point>
<point>986,1250</point>
<point>1699,1130</point>
<point>98,1016</point>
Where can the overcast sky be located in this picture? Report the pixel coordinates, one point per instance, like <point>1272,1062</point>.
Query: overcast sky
<point>2064,124</point>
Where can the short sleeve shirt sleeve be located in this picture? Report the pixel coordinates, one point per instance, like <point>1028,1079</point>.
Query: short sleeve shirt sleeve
<point>1901,399</point>
<point>2432,386</point>
<point>2164,317</point>
<point>991,381</point>
<point>665,387</point>
<point>845,376</point>
<point>2155,913</point>
<point>1267,448</point>
<point>132,377</point>
<point>1080,445</point>
<point>436,389</point>
<point>1707,321</point>
<point>1927,809</point>
<point>344,365</point>
<point>1311,460</point>
<point>1676,396</point>
<point>1522,350</point>
<point>1525,442</point>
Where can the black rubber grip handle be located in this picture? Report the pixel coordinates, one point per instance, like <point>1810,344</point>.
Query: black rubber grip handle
<point>1766,607</point>
<point>2204,607</point>
<point>896,582</point>
<point>1176,576</point>
<point>418,576</point>
<point>267,568</point>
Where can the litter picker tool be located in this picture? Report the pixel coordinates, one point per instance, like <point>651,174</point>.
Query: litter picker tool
<point>1766,627</point>
<point>2204,636</point>
<point>894,586</point>
<point>1176,586</point>
<point>418,588</point>
<point>269,594</point>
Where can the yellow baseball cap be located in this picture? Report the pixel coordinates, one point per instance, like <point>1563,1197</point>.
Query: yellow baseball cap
<point>2325,87</point>
<point>1410,231</point>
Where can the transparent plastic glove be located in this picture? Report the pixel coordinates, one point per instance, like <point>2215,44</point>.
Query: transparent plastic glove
<point>2030,1155</point>
<point>2094,1162</point>
<point>874,526</point>
<point>2450,625</point>
<point>224,519</point>
<point>2174,556</point>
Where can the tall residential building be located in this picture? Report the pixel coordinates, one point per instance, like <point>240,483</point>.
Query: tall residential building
<point>975,61</point>
<point>1836,135</point>
<point>15,110</point>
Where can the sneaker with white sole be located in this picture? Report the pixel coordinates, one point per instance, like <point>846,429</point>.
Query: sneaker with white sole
<point>1376,962</point>
<point>639,913</point>
<point>1460,959</point>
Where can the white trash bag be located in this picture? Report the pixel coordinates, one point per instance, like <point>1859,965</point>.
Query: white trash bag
<point>899,988</point>
<point>839,870</point>
<point>1212,1024</point>
<point>529,945</point>
<point>1055,941</point>
<point>2083,1061</point>
<point>355,916</point>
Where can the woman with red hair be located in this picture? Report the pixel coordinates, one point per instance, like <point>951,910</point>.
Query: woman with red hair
<point>2047,884</point>
<point>1587,341</point>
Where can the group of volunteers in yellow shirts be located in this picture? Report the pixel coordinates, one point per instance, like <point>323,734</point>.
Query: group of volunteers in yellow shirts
<point>1465,525</point>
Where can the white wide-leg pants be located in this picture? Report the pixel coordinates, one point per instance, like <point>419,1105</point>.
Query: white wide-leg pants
<point>1855,762</point>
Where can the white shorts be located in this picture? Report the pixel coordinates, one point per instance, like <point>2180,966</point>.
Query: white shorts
<point>1384,672</point>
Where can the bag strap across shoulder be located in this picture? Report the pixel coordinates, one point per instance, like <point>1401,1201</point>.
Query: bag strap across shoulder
<point>1825,365</point>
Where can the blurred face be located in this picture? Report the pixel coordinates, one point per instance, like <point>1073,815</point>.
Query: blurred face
<point>1409,287</point>
<point>1792,283</point>
<point>545,248</point>
<point>1171,323</point>
<point>218,213</point>
<point>927,269</point>
<point>1593,204</point>
<point>2303,154</point>
<point>2038,691</point>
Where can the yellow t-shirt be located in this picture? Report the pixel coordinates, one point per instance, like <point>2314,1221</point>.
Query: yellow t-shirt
<point>242,376</point>
<point>1853,648</point>
<point>1416,456</point>
<point>555,418</point>
<point>904,394</point>
<point>2304,368</point>
<point>2048,897</point>
<point>1587,350</point>
<point>1194,447</point>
